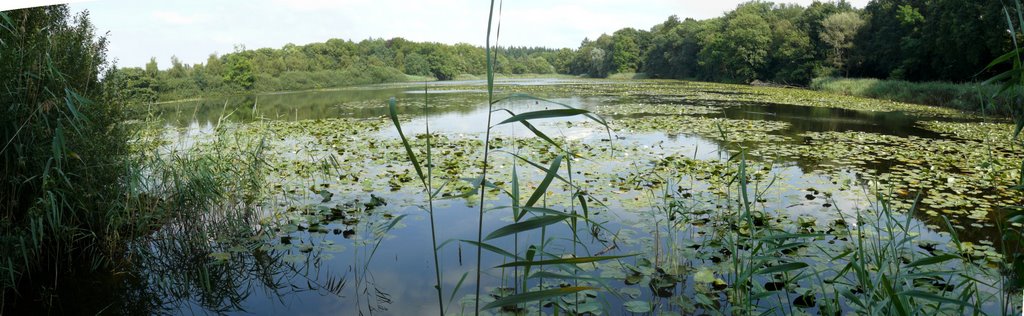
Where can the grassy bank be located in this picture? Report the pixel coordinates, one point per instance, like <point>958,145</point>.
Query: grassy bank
<point>962,96</point>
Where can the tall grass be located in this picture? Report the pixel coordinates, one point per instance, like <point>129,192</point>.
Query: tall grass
<point>871,263</point>
<point>972,97</point>
<point>1012,82</point>
<point>201,203</point>
<point>541,218</point>
<point>62,151</point>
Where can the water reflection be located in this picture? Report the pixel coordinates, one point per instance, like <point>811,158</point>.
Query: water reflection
<point>804,119</point>
<point>287,280</point>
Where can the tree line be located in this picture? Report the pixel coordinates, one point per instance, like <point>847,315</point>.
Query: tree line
<point>914,40</point>
<point>333,63</point>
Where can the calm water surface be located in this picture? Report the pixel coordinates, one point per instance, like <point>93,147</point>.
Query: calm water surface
<point>396,278</point>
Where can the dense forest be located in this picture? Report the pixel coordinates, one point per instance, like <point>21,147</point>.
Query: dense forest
<point>916,40</point>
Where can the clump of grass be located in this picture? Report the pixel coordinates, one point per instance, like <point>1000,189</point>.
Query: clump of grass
<point>62,151</point>
<point>973,97</point>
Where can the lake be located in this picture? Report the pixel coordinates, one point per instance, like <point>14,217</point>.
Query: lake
<point>341,222</point>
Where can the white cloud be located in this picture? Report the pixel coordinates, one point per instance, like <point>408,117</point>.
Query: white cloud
<point>174,18</point>
<point>18,4</point>
<point>320,5</point>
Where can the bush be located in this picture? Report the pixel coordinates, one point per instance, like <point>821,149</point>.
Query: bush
<point>64,147</point>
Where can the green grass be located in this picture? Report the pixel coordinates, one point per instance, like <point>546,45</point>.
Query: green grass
<point>629,75</point>
<point>972,97</point>
<point>63,151</point>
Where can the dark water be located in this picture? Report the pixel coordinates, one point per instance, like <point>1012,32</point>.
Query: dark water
<point>803,119</point>
<point>397,277</point>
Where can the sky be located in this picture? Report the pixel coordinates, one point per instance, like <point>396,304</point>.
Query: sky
<point>192,29</point>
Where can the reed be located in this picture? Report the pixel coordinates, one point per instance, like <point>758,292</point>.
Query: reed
<point>1011,82</point>
<point>541,218</point>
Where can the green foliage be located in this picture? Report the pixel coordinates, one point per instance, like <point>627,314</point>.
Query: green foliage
<point>1011,83</point>
<point>626,50</point>
<point>240,71</point>
<point>965,96</point>
<point>838,31</point>
<point>929,40</point>
<point>920,40</point>
<point>741,51</point>
<point>63,147</point>
<point>152,70</point>
<point>329,64</point>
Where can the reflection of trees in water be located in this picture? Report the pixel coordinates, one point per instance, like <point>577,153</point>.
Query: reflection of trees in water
<point>175,272</point>
<point>308,105</point>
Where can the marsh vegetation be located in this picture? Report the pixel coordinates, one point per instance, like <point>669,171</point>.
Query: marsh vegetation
<point>511,196</point>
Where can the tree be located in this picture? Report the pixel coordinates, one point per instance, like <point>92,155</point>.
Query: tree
<point>240,71</point>
<point>838,31</point>
<point>562,60</point>
<point>151,68</point>
<point>741,50</point>
<point>792,55</point>
<point>442,63</point>
<point>177,69</point>
<point>214,66</point>
<point>416,64</point>
<point>597,67</point>
<point>539,65</point>
<point>625,50</point>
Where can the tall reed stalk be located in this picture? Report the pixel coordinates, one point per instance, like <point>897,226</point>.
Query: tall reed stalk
<point>542,216</point>
<point>1012,84</point>
<point>487,151</point>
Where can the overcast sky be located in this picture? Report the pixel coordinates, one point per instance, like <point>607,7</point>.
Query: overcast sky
<point>192,29</point>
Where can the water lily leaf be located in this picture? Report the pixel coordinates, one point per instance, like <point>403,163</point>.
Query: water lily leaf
<point>631,292</point>
<point>637,306</point>
<point>704,275</point>
<point>326,195</point>
<point>296,258</point>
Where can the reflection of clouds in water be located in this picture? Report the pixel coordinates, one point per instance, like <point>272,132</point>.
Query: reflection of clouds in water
<point>789,195</point>
<point>661,144</point>
<point>475,121</point>
<point>181,139</point>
